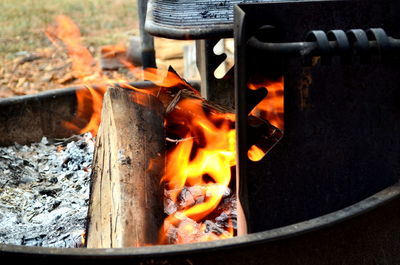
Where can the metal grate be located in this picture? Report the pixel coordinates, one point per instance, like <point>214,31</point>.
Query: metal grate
<point>193,19</point>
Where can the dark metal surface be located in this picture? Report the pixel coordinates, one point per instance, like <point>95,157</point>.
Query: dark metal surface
<point>193,19</point>
<point>342,122</point>
<point>146,40</point>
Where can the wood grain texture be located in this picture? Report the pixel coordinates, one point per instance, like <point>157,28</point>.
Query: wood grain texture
<point>126,197</point>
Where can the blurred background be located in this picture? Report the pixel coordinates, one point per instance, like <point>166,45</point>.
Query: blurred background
<point>30,62</point>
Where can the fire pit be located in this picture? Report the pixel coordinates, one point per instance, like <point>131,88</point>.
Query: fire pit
<point>305,203</point>
<point>362,229</point>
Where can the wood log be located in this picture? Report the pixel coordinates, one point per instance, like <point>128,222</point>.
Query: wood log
<point>125,208</point>
<point>187,94</point>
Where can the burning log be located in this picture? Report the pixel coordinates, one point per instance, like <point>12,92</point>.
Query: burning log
<point>190,94</point>
<point>125,208</point>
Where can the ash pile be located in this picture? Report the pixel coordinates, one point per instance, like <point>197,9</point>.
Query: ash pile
<point>44,192</point>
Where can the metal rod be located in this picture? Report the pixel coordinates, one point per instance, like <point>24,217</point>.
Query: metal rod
<point>146,40</point>
<point>309,48</point>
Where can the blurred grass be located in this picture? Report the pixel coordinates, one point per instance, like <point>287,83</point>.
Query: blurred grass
<point>22,22</point>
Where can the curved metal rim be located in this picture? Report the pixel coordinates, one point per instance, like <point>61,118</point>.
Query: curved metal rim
<point>71,90</point>
<point>61,92</point>
<point>282,233</point>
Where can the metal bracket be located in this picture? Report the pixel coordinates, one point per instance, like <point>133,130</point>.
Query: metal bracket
<point>213,89</point>
<point>146,40</point>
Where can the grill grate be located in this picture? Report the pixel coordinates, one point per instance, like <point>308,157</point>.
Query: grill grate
<point>193,19</point>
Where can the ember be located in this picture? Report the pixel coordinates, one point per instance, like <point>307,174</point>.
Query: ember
<point>44,192</point>
<point>220,224</point>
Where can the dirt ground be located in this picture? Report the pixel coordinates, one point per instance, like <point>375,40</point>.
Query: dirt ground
<point>50,68</point>
<point>30,63</point>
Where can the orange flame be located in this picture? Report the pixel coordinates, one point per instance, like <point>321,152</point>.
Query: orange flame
<point>111,51</point>
<point>271,108</point>
<point>203,158</point>
<point>87,71</point>
<point>89,102</point>
<point>255,153</point>
<point>83,64</point>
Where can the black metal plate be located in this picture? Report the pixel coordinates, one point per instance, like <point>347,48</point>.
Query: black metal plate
<point>342,122</point>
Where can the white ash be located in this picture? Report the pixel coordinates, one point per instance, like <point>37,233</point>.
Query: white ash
<point>44,192</point>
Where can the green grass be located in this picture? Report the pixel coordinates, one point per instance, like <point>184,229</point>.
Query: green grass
<point>22,22</point>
